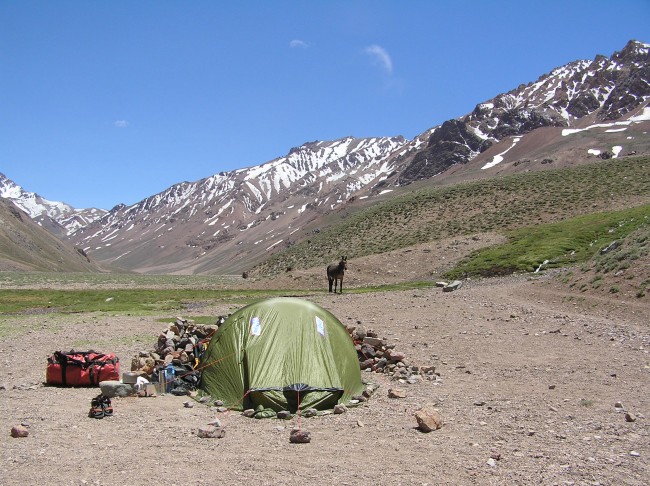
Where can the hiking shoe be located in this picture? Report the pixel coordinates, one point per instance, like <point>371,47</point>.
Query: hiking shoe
<point>106,406</point>
<point>96,409</point>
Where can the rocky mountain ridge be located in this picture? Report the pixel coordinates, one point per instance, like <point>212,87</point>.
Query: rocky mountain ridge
<point>604,89</point>
<point>269,202</point>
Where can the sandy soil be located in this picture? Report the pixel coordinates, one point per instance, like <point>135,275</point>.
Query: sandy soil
<point>529,379</point>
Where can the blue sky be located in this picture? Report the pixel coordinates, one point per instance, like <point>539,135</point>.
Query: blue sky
<point>107,102</point>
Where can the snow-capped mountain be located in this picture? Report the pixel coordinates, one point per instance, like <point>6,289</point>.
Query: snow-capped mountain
<point>230,221</point>
<point>57,217</point>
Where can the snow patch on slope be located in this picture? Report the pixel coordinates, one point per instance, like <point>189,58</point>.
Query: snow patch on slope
<point>497,159</point>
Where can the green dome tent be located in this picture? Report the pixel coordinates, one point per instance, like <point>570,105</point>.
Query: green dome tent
<point>281,354</point>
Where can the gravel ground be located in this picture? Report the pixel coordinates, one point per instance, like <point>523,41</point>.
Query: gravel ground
<point>530,376</point>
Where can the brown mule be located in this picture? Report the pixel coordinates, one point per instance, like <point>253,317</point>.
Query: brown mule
<point>335,273</point>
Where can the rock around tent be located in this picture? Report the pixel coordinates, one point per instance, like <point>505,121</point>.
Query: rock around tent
<point>281,354</point>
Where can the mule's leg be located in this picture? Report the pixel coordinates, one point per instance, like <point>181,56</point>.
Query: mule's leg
<point>341,286</point>
<point>331,282</point>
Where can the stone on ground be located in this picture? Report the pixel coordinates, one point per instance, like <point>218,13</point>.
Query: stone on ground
<point>298,436</point>
<point>428,418</point>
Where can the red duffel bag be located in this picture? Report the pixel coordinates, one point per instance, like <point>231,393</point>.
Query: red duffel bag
<point>78,368</point>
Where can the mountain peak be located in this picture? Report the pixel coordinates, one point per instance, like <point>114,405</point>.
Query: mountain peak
<point>58,217</point>
<point>634,51</point>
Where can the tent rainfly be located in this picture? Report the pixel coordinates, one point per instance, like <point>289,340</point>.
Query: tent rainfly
<point>281,354</point>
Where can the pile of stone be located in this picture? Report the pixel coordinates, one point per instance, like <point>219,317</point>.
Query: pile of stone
<point>181,344</point>
<point>376,355</point>
<point>183,341</point>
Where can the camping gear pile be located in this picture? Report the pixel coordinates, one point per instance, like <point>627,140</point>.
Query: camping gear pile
<point>84,369</point>
<point>176,357</point>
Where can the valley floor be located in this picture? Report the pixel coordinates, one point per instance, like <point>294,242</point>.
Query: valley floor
<point>529,381</point>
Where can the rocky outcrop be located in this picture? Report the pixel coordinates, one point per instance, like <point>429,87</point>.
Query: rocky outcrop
<point>452,143</point>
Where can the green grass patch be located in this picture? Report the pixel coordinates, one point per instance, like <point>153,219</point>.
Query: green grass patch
<point>112,280</point>
<point>566,242</point>
<point>134,301</point>
<point>391,287</point>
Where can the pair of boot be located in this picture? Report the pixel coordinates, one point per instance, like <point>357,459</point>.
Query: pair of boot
<point>100,407</point>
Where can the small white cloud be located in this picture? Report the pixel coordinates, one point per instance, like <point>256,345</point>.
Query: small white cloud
<point>121,123</point>
<point>381,57</point>
<point>298,44</point>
